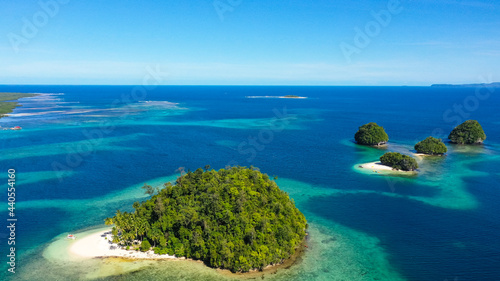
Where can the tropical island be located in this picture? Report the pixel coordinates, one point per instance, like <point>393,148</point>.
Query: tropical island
<point>399,161</point>
<point>469,132</point>
<point>431,146</point>
<point>391,162</point>
<point>8,102</point>
<point>235,218</point>
<point>371,134</point>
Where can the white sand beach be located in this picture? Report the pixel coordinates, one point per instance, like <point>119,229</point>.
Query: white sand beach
<point>376,166</point>
<point>421,155</point>
<point>99,244</point>
<point>379,168</point>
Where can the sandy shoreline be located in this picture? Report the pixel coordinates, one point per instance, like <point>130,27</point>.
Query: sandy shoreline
<point>99,244</point>
<point>96,244</point>
<point>378,167</point>
<point>421,155</point>
<point>375,166</point>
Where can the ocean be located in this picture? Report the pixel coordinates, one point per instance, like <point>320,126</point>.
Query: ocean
<point>85,151</point>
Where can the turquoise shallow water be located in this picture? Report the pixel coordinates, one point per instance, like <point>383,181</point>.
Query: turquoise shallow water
<point>88,155</point>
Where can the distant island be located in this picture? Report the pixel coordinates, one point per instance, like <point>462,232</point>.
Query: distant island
<point>489,85</point>
<point>293,97</point>
<point>8,102</point>
<point>235,218</point>
<point>276,97</point>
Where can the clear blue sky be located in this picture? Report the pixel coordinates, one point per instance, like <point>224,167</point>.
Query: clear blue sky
<point>293,42</point>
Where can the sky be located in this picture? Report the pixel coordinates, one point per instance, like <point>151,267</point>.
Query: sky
<point>243,42</point>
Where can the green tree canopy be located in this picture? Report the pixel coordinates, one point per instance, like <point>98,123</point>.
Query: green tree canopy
<point>145,246</point>
<point>8,107</point>
<point>235,218</point>
<point>431,146</point>
<point>399,161</point>
<point>371,134</point>
<point>469,132</point>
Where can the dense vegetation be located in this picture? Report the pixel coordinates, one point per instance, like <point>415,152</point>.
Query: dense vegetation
<point>431,146</point>
<point>469,132</point>
<point>399,161</point>
<point>235,218</point>
<point>371,134</point>
<point>8,107</point>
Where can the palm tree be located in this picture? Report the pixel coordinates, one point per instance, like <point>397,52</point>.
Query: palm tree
<point>155,235</point>
<point>142,227</point>
<point>108,221</point>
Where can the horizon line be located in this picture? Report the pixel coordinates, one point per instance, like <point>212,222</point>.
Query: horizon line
<point>237,85</point>
<point>262,85</point>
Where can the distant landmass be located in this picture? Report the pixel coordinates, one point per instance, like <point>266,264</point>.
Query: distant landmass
<point>495,84</point>
<point>276,97</point>
<point>8,101</point>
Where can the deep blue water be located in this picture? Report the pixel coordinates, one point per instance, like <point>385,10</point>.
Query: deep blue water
<point>213,124</point>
